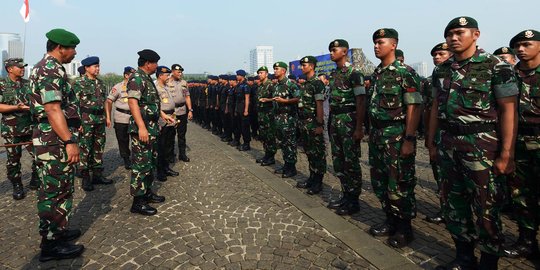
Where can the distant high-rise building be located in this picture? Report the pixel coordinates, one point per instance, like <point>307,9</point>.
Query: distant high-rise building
<point>10,46</point>
<point>261,56</point>
<point>71,68</point>
<point>421,68</point>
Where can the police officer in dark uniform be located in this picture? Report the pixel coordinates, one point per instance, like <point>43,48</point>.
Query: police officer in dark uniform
<point>241,112</point>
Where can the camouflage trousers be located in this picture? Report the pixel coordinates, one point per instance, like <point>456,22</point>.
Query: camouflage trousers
<point>436,168</point>
<point>13,162</point>
<point>55,193</point>
<point>393,179</point>
<point>525,187</point>
<point>286,135</point>
<point>143,163</point>
<point>92,144</point>
<point>314,146</point>
<point>345,151</point>
<point>267,131</point>
<point>469,185</point>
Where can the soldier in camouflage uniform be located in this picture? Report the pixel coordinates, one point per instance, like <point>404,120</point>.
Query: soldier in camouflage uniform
<point>53,105</point>
<point>524,185</point>
<point>347,105</point>
<point>286,95</point>
<point>267,122</point>
<point>92,95</point>
<point>311,116</point>
<point>394,113</point>
<point>440,53</point>
<point>143,100</point>
<point>474,105</point>
<point>16,123</point>
<point>506,54</point>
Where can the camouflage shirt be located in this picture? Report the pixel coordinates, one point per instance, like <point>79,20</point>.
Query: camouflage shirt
<point>266,91</point>
<point>141,87</point>
<point>345,84</point>
<point>287,90</point>
<point>467,92</point>
<point>92,95</point>
<point>427,96</point>
<point>393,88</point>
<point>18,123</point>
<point>529,104</point>
<point>49,83</point>
<point>311,91</point>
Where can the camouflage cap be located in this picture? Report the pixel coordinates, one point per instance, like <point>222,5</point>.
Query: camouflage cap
<point>461,22</point>
<point>18,62</point>
<point>529,34</point>
<point>503,50</point>
<point>338,43</point>
<point>440,47</point>
<point>263,68</point>
<point>281,65</point>
<point>399,53</point>
<point>63,37</point>
<point>308,60</point>
<point>162,70</point>
<point>385,33</point>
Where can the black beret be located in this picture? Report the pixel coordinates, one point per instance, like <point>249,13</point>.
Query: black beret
<point>440,47</point>
<point>530,34</point>
<point>222,76</point>
<point>308,59</point>
<point>128,69</point>
<point>177,67</point>
<point>149,55</point>
<point>91,60</point>
<point>251,78</point>
<point>302,77</point>
<point>232,77</point>
<point>399,53</point>
<point>241,72</point>
<point>461,22</point>
<point>503,50</point>
<point>338,43</point>
<point>385,33</point>
<point>81,70</point>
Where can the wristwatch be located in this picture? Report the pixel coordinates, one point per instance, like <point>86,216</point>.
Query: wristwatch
<point>410,138</point>
<point>191,110</point>
<point>72,140</point>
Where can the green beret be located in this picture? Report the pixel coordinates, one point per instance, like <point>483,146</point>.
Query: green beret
<point>439,47</point>
<point>263,68</point>
<point>63,37</point>
<point>530,35</point>
<point>399,53</point>
<point>338,43</point>
<point>308,60</point>
<point>461,22</point>
<point>281,65</point>
<point>386,33</point>
<point>503,50</point>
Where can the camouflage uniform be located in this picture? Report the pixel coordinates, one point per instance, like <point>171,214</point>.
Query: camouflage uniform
<point>16,127</point>
<point>466,92</point>
<point>393,177</point>
<point>345,85</point>
<point>427,98</point>
<point>144,155</point>
<point>266,117</point>
<point>49,83</point>
<point>314,146</point>
<point>92,95</point>
<point>286,118</point>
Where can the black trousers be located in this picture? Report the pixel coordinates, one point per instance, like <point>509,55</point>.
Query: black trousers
<point>181,130</point>
<point>254,121</point>
<point>243,128</point>
<point>218,120</point>
<point>122,136</point>
<point>165,143</point>
<point>227,124</point>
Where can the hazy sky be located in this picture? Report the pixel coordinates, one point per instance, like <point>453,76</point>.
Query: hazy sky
<point>216,36</point>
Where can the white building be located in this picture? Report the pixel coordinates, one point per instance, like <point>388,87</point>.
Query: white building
<point>10,47</point>
<point>421,68</point>
<point>261,56</point>
<point>71,68</point>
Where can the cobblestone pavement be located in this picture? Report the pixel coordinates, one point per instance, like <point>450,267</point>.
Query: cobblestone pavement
<point>217,216</point>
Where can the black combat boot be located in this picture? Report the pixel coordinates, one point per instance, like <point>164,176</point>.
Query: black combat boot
<point>261,159</point>
<point>307,183</point>
<point>234,143</point>
<point>171,172</point>
<point>161,176</point>
<point>316,187</point>
<point>351,205</point>
<point>58,250</point>
<point>127,163</point>
<point>435,219</point>
<point>183,157</point>
<point>34,181</point>
<point>281,170</point>
<point>339,201</point>
<point>86,181</point>
<point>268,161</point>
<point>18,190</point>
<point>140,206</point>
<point>98,179</point>
<point>67,235</point>
<point>387,228</point>
<point>152,197</point>
<point>290,172</point>
<point>465,259</point>
<point>525,247</point>
<point>404,234</point>
<point>244,147</point>
<point>488,261</point>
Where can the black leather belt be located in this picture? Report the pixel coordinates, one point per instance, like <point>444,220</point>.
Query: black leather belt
<point>168,111</point>
<point>342,110</point>
<point>528,129</point>
<point>379,124</point>
<point>123,111</point>
<point>72,123</point>
<point>460,129</point>
<point>180,105</point>
<point>92,111</point>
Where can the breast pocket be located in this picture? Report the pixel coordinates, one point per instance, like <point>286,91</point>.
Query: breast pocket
<point>535,96</point>
<point>475,95</point>
<point>390,97</point>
